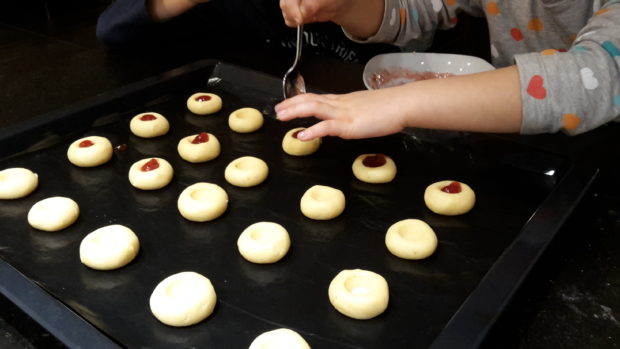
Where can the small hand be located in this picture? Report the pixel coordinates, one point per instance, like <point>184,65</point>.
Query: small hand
<point>296,12</point>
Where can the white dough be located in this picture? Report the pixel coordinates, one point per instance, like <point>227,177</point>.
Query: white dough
<point>90,151</point>
<point>293,146</point>
<point>322,202</point>
<point>360,294</point>
<point>264,242</point>
<point>183,299</point>
<point>246,171</point>
<point>110,247</point>
<point>53,214</point>
<point>282,338</point>
<point>374,174</point>
<point>151,179</point>
<point>411,239</point>
<point>449,204</point>
<point>194,149</point>
<point>149,125</point>
<point>245,120</point>
<point>210,106</point>
<point>202,202</point>
<point>17,182</point>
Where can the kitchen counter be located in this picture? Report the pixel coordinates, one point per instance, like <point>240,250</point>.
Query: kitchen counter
<point>50,58</point>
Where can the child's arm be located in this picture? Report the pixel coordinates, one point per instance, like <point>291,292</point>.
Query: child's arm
<point>163,10</point>
<point>485,102</point>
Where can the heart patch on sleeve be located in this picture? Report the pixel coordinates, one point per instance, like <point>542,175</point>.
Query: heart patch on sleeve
<point>588,79</point>
<point>536,88</point>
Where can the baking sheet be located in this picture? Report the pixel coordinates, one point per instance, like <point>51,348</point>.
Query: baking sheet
<point>513,184</point>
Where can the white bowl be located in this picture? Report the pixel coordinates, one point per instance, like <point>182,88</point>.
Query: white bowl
<point>420,62</point>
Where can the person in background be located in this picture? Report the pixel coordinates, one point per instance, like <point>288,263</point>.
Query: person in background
<point>558,68</point>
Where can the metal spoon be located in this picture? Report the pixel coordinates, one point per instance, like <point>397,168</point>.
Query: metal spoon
<point>293,83</point>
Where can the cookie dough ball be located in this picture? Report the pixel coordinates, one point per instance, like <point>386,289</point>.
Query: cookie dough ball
<point>202,202</point>
<point>245,120</point>
<point>411,239</point>
<point>53,214</point>
<point>322,202</point>
<point>197,148</point>
<point>449,198</point>
<point>17,182</point>
<point>110,247</point>
<point>204,103</point>
<point>246,171</point>
<point>149,125</point>
<point>282,338</point>
<point>90,151</point>
<point>360,294</point>
<point>264,242</point>
<point>293,146</point>
<point>150,174</point>
<point>183,299</point>
<point>374,168</point>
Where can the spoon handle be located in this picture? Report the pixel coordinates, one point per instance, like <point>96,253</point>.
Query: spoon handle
<point>300,42</point>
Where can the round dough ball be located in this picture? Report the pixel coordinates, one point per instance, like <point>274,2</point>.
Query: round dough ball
<point>204,103</point>
<point>149,125</point>
<point>245,120</point>
<point>282,338</point>
<point>200,147</point>
<point>374,168</point>
<point>449,198</point>
<point>411,239</point>
<point>360,294</point>
<point>264,242</point>
<point>110,247</point>
<point>183,299</point>
<point>202,202</point>
<point>246,171</point>
<point>322,202</point>
<point>90,151</point>
<point>150,173</point>
<point>293,146</point>
<point>53,214</point>
<point>17,182</point>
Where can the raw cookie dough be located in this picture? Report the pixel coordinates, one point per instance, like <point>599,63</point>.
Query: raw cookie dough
<point>449,198</point>
<point>110,247</point>
<point>264,242</point>
<point>197,148</point>
<point>411,239</point>
<point>183,299</point>
<point>90,151</point>
<point>150,173</point>
<point>204,103</point>
<point>17,182</point>
<point>245,120</point>
<point>321,202</point>
<point>202,202</point>
<point>53,214</point>
<point>293,146</point>
<point>246,171</point>
<point>374,168</point>
<point>282,338</point>
<point>149,125</point>
<point>360,294</point>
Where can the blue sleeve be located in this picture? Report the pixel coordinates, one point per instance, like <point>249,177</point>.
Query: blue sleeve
<point>123,22</point>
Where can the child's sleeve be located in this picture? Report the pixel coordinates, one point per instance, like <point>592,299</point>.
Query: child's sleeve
<point>578,90</point>
<point>123,22</point>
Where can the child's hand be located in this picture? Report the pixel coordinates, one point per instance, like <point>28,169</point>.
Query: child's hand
<point>362,114</point>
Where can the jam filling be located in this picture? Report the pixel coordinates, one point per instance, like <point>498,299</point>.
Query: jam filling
<point>148,117</point>
<point>85,144</point>
<point>150,165</point>
<point>203,98</point>
<point>375,160</point>
<point>121,147</point>
<point>452,188</point>
<point>202,137</point>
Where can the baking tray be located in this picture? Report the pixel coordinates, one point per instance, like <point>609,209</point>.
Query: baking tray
<point>448,300</point>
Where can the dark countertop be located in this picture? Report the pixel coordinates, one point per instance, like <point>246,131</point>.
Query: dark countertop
<point>50,58</point>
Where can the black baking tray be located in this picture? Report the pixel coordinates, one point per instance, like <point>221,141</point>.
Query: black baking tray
<point>448,300</point>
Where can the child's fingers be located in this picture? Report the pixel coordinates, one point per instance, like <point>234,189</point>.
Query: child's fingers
<point>304,107</point>
<point>321,129</point>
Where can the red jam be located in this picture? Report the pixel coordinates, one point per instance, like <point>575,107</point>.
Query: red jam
<point>85,144</point>
<point>121,147</point>
<point>150,165</point>
<point>202,137</point>
<point>452,188</point>
<point>295,134</point>
<point>376,160</point>
<point>148,117</point>
<point>203,98</point>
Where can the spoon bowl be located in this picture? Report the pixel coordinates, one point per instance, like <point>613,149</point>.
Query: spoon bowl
<point>293,82</point>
